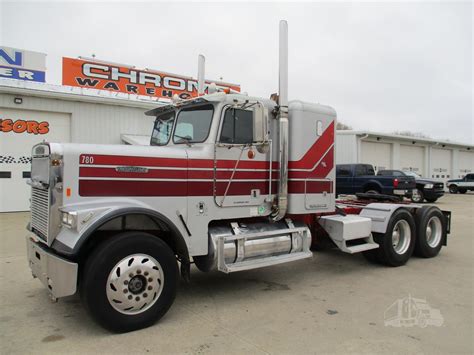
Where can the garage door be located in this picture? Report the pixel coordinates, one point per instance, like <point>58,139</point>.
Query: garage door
<point>466,163</point>
<point>412,159</point>
<point>377,154</point>
<point>441,164</point>
<point>19,131</point>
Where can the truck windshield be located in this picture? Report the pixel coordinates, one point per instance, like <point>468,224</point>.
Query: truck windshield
<point>162,129</point>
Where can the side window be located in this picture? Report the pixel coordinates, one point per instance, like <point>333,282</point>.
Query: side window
<point>470,177</point>
<point>369,170</point>
<point>343,170</point>
<point>193,124</point>
<point>360,170</point>
<point>237,127</point>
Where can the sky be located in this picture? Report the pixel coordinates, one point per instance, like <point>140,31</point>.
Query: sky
<point>384,67</point>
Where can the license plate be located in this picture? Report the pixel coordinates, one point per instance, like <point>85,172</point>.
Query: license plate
<point>399,192</point>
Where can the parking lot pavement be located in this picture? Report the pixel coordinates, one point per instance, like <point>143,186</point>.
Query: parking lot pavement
<point>333,303</point>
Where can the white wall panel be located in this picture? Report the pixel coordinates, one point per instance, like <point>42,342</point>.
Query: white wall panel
<point>441,164</point>
<point>376,153</point>
<point>466,163</point>
<point>412,158</point>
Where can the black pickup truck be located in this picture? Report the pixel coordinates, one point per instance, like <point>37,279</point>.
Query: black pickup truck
<point>360,178</point>
<point>426,189</point>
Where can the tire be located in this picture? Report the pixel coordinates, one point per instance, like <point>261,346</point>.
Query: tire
<point>372,191</point>
<point>371,256</point>
<point>402,227</point>
<point>417,196</point>
<point>151,273</point>
<point>462,191</point>
<point>430,231</point>
<point>453,189</point>
<point>431,200</point>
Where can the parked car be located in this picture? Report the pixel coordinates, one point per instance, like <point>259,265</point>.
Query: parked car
<point>461,185</point>
<point>426,189</point>
<point>357,178</point>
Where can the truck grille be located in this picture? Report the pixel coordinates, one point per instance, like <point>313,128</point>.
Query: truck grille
<point>439,186</point>
<point>40,212</point>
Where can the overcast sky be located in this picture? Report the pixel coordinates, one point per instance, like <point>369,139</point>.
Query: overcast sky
<point>383,67</point>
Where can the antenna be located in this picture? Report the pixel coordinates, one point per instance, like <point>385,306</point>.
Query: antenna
<point>201,70</point>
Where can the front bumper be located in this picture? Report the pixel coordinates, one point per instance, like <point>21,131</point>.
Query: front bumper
<point>430,193</point>
<point>58,275</point>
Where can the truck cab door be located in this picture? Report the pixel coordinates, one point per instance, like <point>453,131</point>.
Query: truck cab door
<point>241,165</point>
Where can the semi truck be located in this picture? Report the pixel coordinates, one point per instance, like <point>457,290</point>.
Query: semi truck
<point>229,182</point>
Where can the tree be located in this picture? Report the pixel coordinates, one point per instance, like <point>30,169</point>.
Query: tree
<point>343,127</point>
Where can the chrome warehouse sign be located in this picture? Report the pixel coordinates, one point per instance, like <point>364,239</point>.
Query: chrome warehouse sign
<point>120,78</point>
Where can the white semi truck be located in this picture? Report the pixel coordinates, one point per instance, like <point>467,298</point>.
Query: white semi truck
<point>229,182</point>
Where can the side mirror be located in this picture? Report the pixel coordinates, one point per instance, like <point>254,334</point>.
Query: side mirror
<point>260,130</point>
<point>260,134</point>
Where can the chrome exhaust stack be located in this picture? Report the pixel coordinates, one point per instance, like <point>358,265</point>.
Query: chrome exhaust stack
<point>201,74</point>
<point>281,205</point>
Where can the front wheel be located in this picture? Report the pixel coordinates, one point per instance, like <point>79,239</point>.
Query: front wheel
<point>129,281</point>
<point>462,191</point>
<point>417,196</point>
<point>453,189</point>
<point>397,243</point>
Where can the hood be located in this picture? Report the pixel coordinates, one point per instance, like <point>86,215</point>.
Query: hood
<point>428,181</point>
<point>455,180</point>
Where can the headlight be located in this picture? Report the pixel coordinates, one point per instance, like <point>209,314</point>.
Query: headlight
<point>428,186</point>
<point>69,219</point>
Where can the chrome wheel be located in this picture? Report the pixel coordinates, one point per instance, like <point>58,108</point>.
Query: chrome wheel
<point>401,237</point>
<point>434,231</point>
<point>135,284</point>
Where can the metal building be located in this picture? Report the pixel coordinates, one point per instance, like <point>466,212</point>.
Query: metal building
<point>32,112</point>
<point>441,160</point>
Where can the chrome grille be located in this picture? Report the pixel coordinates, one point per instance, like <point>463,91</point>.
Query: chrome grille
<point>40,212</point>
<point>439,185</point>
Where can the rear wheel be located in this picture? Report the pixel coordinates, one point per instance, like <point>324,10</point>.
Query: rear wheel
<point>431,231</point>
<point>129,281</point>
<point>417,196</point>
<point>372,190</point>
<point>397,243</point>
<point>453,189</point>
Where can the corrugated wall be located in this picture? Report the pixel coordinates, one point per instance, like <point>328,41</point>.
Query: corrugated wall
<point>90,122</point>
<point>346,149</point>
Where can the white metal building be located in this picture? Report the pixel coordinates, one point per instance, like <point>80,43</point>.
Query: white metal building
<point>441,160</point>
<point>32,112</point>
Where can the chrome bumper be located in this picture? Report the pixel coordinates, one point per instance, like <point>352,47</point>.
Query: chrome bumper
<point>58,275</point>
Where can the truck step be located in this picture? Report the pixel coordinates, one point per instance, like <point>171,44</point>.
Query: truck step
<point>361,247</point>
<point>269,261</point>
<point>351,234</point>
